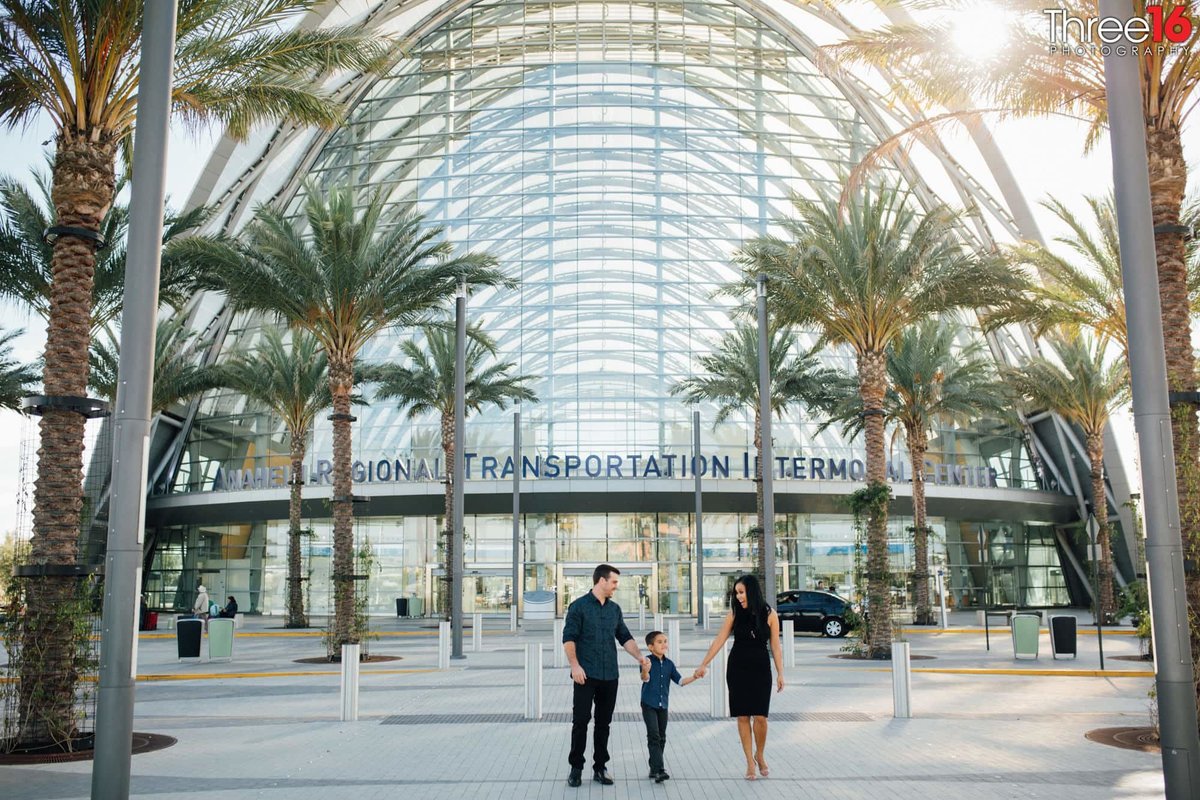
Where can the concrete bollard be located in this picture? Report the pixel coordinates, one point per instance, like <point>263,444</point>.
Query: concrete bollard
<point>901,681</point>
<point>560,657</point>
<point>787,638</point>
<point>350,655</point>
<point>477,633</point>
<point>718,699</point>
<point>443,644</point>
<point>533,680</point>
<point>658,622</point>
<point>512,618</point>
<point>641,617</point>
<point>673,640</point>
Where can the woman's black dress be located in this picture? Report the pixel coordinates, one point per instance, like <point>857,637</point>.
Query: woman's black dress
<point>748,673</point>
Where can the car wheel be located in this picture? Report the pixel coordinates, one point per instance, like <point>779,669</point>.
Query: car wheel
<point>834,628</point>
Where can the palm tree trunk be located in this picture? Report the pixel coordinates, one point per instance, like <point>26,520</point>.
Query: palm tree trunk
<point>448,518</point>
<point>82,192</point>
<point>1104,568</point>
<point>341,380</point>
<point>916,451</point>
<point>1168,184</point>
<point>759,540</point>
<point>295,602</point>
<point>872,371</point>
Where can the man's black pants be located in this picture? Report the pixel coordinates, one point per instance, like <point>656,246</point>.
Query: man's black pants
<point>604,695</point>
<point>656,735</point>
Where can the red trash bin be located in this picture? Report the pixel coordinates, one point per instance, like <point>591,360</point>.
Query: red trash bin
<point>151,621</point>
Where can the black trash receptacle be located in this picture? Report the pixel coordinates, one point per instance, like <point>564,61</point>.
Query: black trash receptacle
<point>187,637</point>
<point>1062,636</point>
<point>401,606</point>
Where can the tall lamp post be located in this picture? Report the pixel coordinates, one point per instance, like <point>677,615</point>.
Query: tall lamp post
<point>1152,416</point>
<point>768,452</point>
<point>460,471</point>
<point>131,431</point>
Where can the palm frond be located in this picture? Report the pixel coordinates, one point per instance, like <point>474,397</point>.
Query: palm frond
<point>17,380</point>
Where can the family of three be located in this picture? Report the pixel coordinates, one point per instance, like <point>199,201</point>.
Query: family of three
<point>594,621</point>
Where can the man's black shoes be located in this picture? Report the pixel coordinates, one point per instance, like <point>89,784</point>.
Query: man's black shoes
<point>661,776</point>
<point>601,776</point>
<point>575,778</point>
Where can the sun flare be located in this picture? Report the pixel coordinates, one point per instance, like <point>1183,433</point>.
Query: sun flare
<point>981,31</point>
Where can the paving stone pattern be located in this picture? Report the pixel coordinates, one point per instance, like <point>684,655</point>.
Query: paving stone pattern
<point>460,733</point>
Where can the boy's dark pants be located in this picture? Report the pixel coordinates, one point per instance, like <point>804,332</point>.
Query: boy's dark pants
<point>604,695</point>
<point>656,735</point>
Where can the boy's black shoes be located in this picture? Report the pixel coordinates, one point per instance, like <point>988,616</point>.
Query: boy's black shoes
<point>661,776</point>
<point>575,778</point>
<point>601,776</point>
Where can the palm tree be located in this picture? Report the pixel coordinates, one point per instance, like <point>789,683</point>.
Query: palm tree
<point>75,61</point>
<point>930,382</point>
<point>292,380</point>
<point>16,379</point>
<point>427,385</point>
<point>861,277</point>
<point>346,279</point>
<point>732,383</point>
<point>1083,388</point>
<point>26,268</point>
<point>178,372</point>
<point>1026,78</point>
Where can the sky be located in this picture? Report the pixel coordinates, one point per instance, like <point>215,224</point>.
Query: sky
<point>1046,156</point>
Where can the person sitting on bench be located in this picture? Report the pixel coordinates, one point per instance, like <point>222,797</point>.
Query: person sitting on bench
<point>230,609</point>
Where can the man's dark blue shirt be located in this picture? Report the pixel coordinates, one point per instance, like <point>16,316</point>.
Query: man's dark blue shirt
<point>593,626</point>
<point>656,690</point>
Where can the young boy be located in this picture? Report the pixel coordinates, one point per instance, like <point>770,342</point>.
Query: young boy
<point>657,675</point>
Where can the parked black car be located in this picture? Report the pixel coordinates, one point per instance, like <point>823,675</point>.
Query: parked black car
<point>817,612</point>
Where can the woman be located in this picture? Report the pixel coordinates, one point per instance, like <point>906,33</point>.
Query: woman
<point>230,609</point>
<point>755,627</point>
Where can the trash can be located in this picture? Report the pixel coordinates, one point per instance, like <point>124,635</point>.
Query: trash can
<point>1062,636</point>
<point>416,606</point>
<point>1025,631</point>
<point>220,639</point>
<point>150,621</point>
<point>401,606</point>
<point>539,605</point>
<point>187,637</point>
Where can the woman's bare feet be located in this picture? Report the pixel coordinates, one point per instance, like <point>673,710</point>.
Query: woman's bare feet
<point>750,776</point>
<point>762,765</point>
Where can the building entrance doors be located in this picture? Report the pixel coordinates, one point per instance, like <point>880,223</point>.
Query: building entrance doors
<point>636,588</point>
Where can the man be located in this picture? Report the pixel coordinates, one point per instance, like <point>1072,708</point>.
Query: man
<point>593,622</point>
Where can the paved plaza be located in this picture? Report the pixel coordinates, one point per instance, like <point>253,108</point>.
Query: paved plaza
<point>983,726</point>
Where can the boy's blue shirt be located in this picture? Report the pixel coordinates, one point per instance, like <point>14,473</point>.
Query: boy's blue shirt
<point>656,690</point>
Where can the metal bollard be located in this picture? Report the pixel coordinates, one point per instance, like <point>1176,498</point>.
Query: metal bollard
<point>560,656</point>
<point>641,617</point>
<point>673,640</point>
<point>533,680</point>
<point>718,699</point>
<point>477,633</point>
<point>350,657</point>
<point>512,618</point>
<point>941,592</point>
<point>443,644</point>
<point>658,622</point>
<point>788,637</point>
<point>901,681</point>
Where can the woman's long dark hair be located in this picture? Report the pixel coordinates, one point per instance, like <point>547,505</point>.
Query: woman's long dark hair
<point>755,604</point>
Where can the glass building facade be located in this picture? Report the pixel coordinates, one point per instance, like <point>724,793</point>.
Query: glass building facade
<point>612,156</point>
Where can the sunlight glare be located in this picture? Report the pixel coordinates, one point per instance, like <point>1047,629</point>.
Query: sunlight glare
<point>981,30</point>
